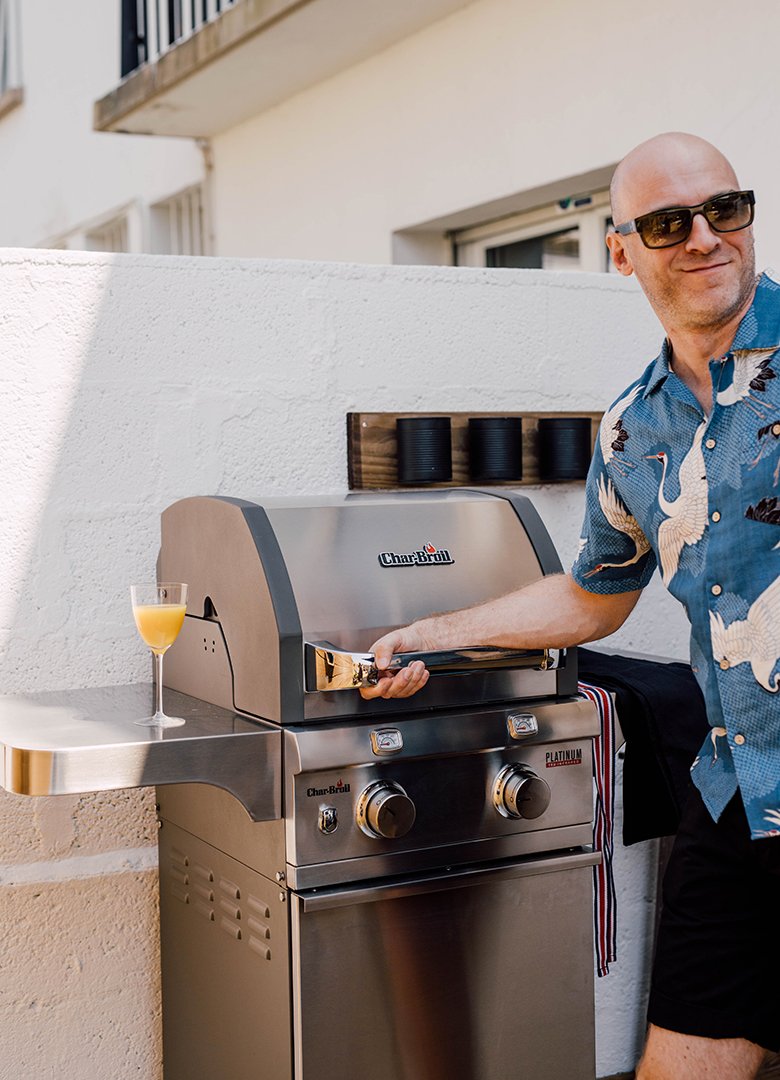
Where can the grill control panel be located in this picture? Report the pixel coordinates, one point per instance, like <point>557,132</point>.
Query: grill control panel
<point>460,786</point>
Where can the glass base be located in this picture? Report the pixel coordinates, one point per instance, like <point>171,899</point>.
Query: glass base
<point>160,720</point>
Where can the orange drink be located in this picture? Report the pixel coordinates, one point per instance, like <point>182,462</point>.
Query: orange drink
<point>158,610</point>
<point>159,624</point>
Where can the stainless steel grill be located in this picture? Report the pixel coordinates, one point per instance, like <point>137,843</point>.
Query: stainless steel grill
<point>422,908</point>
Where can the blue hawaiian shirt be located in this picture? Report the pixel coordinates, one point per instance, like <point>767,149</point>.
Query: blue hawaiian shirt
<point>699,497</point>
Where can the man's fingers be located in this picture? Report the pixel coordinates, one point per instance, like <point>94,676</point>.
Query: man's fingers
<point>385,649</point>
<point>403,684</point>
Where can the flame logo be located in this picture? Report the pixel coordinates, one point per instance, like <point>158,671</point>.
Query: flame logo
<point>429,548</point>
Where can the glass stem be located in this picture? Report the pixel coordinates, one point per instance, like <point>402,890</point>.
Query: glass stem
<point>158,704</point>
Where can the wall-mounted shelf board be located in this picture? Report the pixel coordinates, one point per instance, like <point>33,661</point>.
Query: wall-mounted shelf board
<point>372,451</point>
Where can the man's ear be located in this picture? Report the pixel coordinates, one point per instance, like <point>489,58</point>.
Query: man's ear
<point>620,257</point>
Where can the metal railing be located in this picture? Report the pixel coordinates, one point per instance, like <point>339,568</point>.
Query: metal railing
<point>10,46</point>
<point>151,27</point>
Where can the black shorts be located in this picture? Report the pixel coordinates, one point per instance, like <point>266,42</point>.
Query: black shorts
<point>717,964</point>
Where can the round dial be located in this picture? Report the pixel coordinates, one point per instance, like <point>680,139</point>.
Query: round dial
<point>385,810</point>
<point>520,793</point>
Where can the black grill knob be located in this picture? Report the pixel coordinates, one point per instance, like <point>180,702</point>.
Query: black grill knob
<point>520,793</point>
<point>384,810</point>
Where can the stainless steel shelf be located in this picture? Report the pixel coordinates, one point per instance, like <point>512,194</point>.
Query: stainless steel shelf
<point>73,741</point>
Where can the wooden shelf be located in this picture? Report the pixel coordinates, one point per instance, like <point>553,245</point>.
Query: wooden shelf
<point>372,449</point>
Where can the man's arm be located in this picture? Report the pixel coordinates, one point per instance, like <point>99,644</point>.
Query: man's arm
<point>553,613</point>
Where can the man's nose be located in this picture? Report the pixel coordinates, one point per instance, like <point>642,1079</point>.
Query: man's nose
<point>703,238</point>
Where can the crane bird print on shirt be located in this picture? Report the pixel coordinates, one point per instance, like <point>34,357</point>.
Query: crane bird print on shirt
<point>620,520</point>
<point>613,436</point>
<point>686,516</point>
<point>768,443</point>
<point>751,373</point>
<point>754,640</point>
<point>715,734</point>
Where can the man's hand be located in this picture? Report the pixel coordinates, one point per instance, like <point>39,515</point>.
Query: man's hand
<point>407,680</point>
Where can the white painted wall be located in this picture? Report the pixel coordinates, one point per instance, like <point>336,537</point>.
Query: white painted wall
<point>502,97</point>
<point>56,173</point>
<point>129,382</point>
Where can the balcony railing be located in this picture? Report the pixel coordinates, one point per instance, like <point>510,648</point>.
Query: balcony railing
<point>10,47</point>
<point>151,27</point>
<point>197,68</point>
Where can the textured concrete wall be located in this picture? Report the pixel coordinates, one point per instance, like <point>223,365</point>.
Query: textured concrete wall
<point>129,382</point>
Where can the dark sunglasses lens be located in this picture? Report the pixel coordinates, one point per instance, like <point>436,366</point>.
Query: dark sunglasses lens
<point>730,212</point>
<point>664,228</point>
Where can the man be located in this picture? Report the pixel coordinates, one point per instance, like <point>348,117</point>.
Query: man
<point>689,481</point>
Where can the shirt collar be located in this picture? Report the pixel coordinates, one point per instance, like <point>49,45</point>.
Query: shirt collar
<point>752,333</point>
<point>659,371</point>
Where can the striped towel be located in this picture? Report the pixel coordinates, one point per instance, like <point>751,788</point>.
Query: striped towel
<point>604,899</point>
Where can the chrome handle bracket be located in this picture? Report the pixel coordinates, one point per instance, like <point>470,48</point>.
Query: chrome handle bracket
<point>329,668</point>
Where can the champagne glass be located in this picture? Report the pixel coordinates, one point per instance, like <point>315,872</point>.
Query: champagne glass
<point>158,611</point>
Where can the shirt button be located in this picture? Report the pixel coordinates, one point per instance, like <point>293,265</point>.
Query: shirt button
<point>716,590</point>
<point>710,444</point>
<point>723,665</point>
<point>739,740</point>
<point>776,429</point>
<point>716,515</point>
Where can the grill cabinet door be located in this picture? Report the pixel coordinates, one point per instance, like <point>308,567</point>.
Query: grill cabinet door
<point>484,975</point>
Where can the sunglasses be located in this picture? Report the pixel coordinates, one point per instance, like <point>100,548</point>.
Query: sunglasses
<point>665,228</point>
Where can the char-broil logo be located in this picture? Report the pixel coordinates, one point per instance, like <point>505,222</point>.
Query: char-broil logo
<point>427,555</point>
<point>554,758</point>
<point>339,788</point>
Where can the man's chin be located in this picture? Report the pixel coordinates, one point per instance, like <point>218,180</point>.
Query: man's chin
<point>716,305</point>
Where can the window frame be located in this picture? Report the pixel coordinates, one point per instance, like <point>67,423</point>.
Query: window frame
<point>167,237</point>
<point>86,235</point>
<point>470,245</point>
<point>11,92</point>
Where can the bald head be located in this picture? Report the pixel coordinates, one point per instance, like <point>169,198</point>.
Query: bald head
<point>650,174</point>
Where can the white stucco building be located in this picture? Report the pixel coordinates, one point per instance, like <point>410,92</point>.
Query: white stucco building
<point>443,133</point>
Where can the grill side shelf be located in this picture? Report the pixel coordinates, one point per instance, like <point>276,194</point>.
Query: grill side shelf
<point>75,741</point>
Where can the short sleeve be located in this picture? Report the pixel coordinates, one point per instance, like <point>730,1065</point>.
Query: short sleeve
<point>614,554</point>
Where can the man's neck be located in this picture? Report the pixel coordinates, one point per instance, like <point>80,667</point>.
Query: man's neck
<point>693,367</point>
<point>692,350</point>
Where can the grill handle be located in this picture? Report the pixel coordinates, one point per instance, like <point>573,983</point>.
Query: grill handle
<point>329,668</point>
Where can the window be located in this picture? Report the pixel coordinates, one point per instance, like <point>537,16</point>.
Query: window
<point>565,235</point>
<point>110,236</point>
<point>117,230</point>
<point>177,224</point>
<point>10,56</point>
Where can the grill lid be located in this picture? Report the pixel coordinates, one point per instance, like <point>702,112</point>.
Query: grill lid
<point>267,577</point>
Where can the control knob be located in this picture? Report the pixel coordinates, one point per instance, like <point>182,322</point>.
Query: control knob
<point>520,793</point>
<point>385,810</point>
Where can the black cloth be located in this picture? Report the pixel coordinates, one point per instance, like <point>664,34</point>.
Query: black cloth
<point>661,712</point>
<point>718,950</point>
